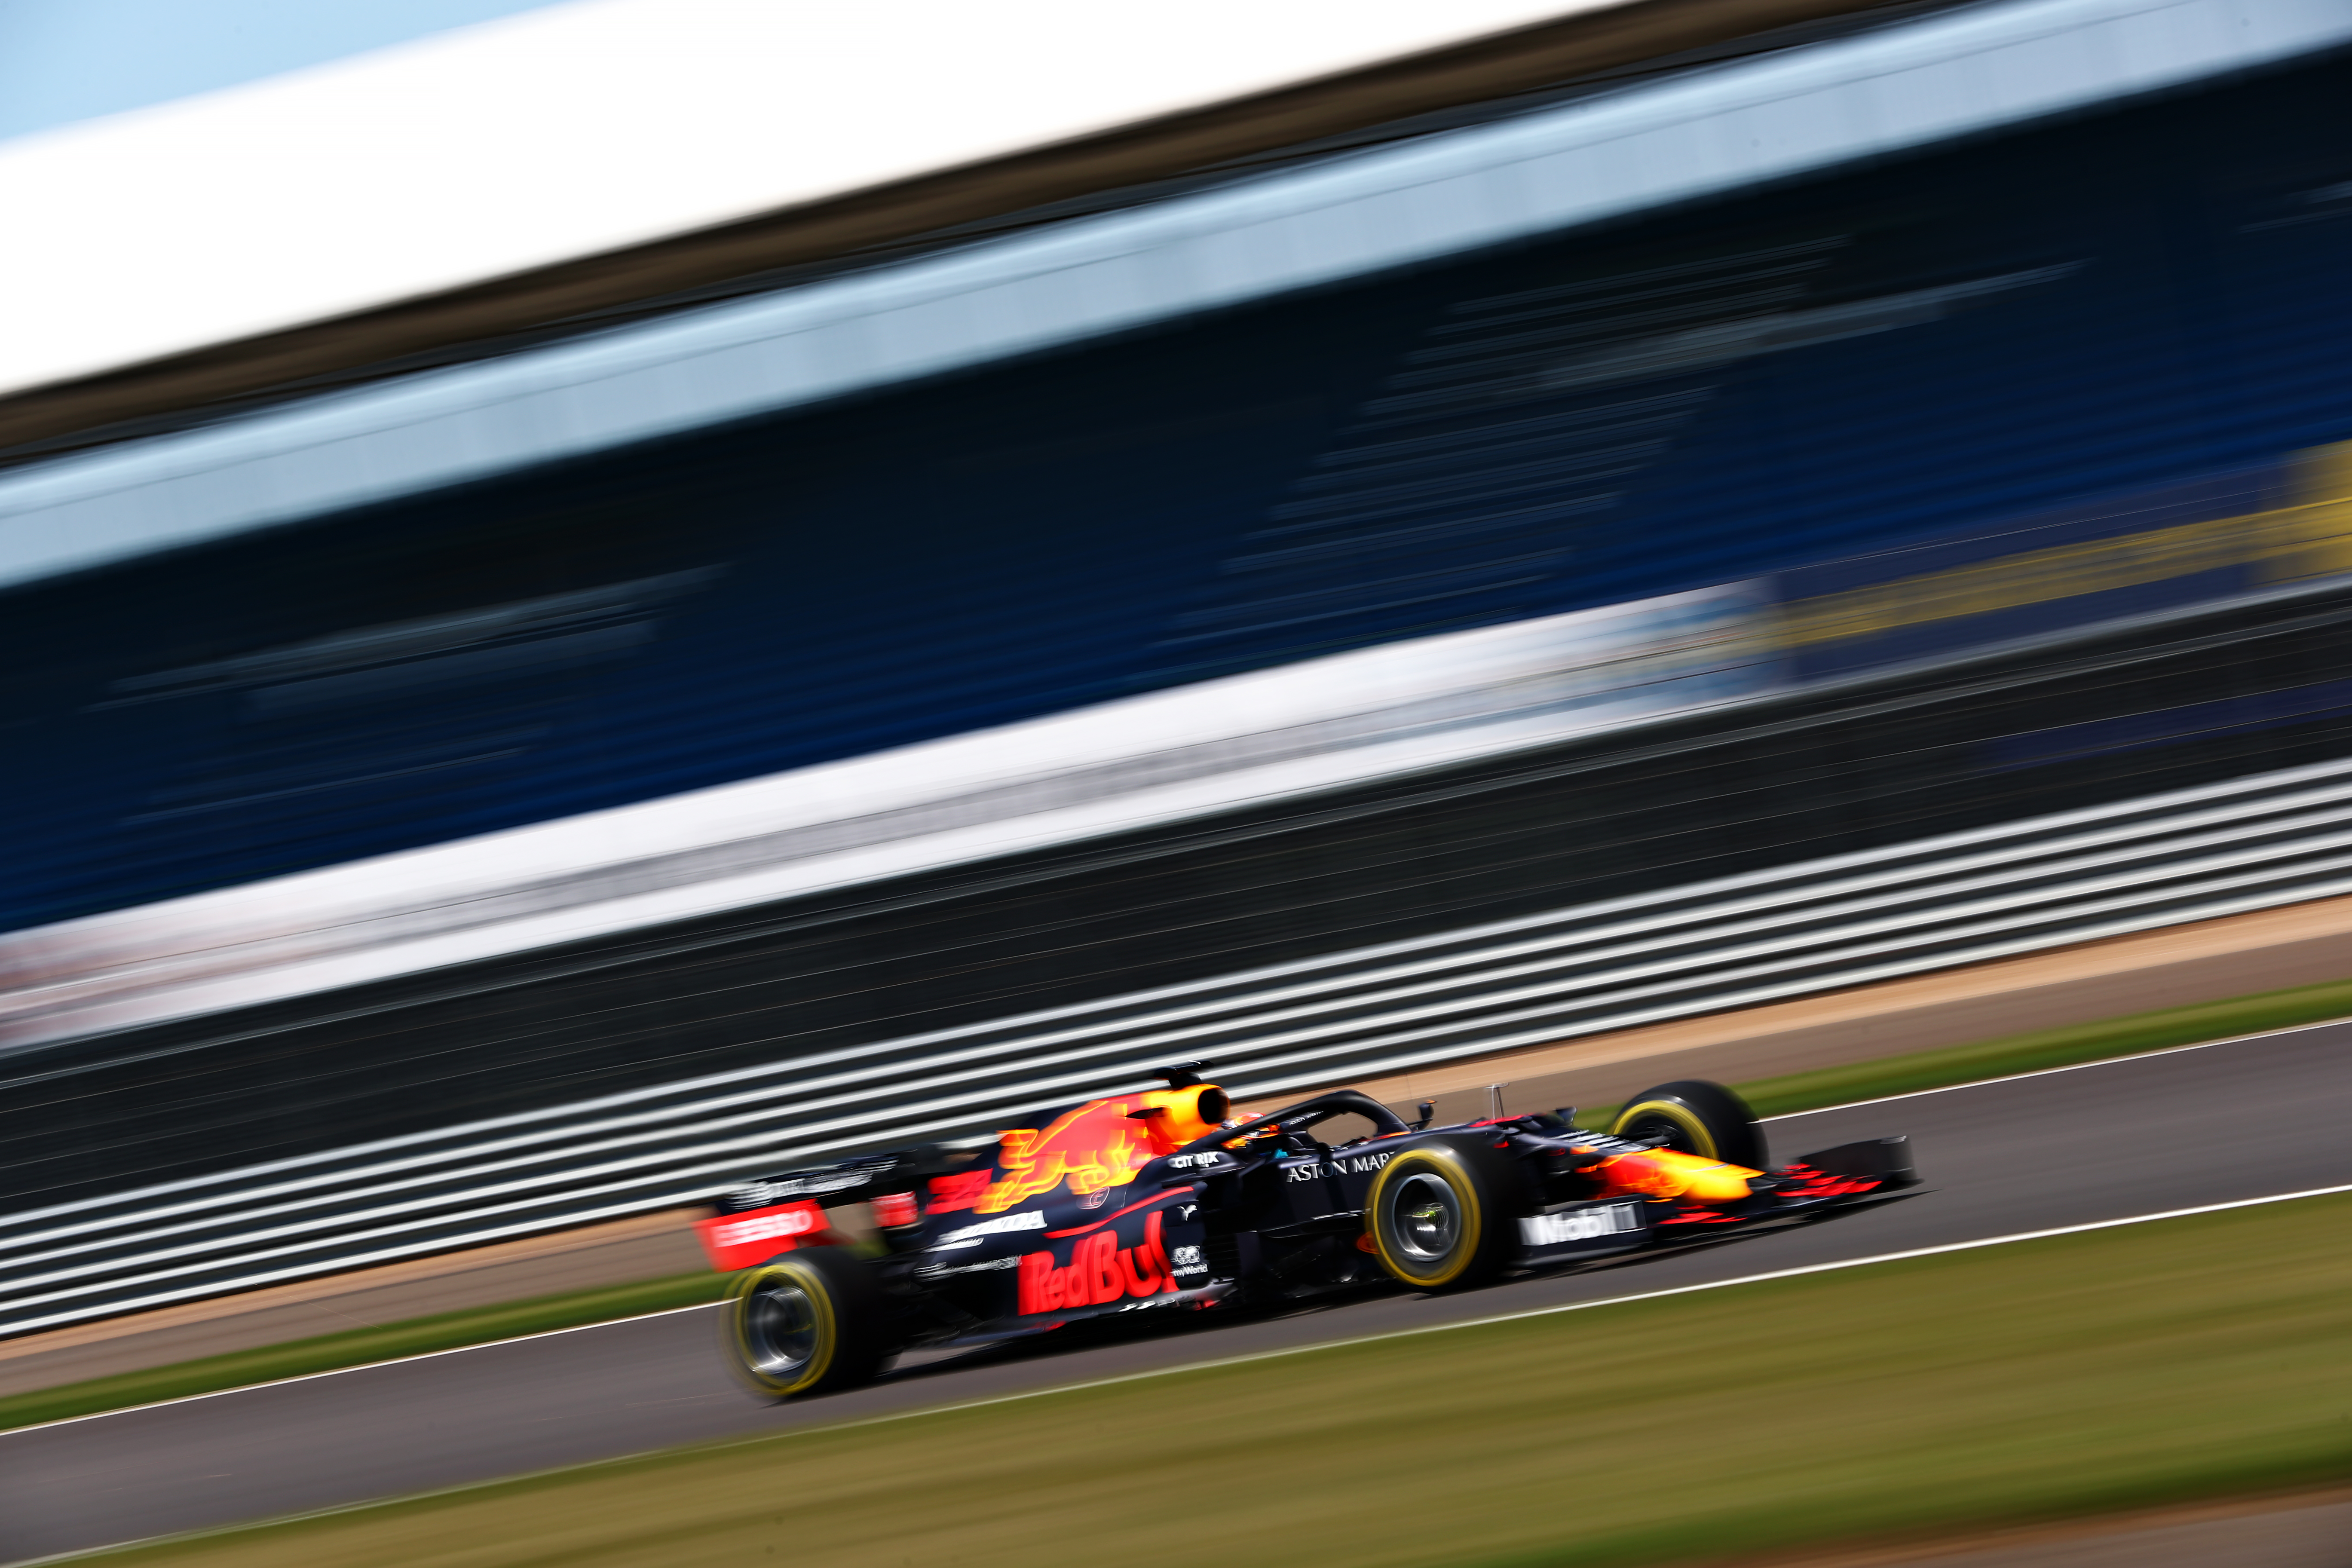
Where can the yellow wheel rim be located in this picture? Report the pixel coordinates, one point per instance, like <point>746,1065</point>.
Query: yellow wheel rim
<point>1418,1174</point>
<point>784,1329</point>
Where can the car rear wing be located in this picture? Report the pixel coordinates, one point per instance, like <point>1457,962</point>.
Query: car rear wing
<point>765,1218</point>
<point>770,1216</point>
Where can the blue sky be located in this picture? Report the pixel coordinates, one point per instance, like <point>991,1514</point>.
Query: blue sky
<point>63,60</point>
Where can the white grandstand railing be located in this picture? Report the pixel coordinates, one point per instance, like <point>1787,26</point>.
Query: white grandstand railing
<point>1733,942</point>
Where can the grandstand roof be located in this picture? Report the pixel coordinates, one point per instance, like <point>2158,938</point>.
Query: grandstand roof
<point>1315,218</point>
<point>313,292</point>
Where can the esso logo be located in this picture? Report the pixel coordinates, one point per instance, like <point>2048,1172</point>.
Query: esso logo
<point>737,1241</point>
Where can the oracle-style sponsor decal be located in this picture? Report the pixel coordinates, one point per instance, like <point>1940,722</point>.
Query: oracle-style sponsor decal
<point>1100,1271</point>
<point>972,1234</point>
<point>737,1241</point>
<point>761,1193</point>
<point>941,1271</point>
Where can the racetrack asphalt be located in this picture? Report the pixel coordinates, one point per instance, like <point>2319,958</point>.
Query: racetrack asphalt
<point>2212,1124</point>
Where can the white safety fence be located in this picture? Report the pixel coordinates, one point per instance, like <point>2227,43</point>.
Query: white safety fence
<point>1955,899</point>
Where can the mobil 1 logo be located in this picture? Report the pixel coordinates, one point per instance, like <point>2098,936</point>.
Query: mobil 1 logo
<point>1572,1228</point>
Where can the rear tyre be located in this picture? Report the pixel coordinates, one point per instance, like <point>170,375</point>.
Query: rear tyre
<point>804,1324</point>
<point>1440,1214</point>
<point>1698,1118</point>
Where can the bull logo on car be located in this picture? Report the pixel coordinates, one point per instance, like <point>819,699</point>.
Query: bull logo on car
<point>1088,1149</point>
<point>1099,1145</point>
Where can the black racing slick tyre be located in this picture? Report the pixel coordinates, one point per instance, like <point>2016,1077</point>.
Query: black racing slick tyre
<point>1698,1118</point>
<point>804,1324</point>
<point>1440,1214</point>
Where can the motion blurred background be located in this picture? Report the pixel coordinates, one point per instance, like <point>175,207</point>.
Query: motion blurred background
<point>599,595</point>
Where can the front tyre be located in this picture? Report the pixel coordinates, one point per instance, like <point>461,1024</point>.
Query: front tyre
<point>1696,1118</point>
<point>804,1324</point>
<point>1439,1217</point>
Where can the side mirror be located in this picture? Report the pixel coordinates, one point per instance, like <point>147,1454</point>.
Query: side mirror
<point>1428,1108</point>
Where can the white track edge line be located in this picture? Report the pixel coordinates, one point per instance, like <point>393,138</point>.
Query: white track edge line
<point>691,1450</point>
<point>2070,1067</point>
<point>360,1366</point>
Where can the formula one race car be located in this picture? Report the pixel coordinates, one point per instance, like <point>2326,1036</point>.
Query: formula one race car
<point>1158,1200</point>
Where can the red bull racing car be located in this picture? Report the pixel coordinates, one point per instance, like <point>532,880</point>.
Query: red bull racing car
<point>1160,1200</point>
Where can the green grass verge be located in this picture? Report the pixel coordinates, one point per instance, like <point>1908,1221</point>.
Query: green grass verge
<point>2042,1049</point>
<point>2151,1364</point>
<point>414,1336</point>
<point>1770,1097</point>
